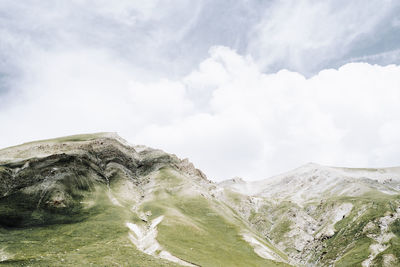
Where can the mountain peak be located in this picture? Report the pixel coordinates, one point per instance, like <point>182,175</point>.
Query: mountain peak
<point>312,164</point>
<point>94,183</point>
<point>65,144</point>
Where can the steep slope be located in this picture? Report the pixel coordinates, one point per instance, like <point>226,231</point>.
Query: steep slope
<point>94,199</point>
<point>323,215</point>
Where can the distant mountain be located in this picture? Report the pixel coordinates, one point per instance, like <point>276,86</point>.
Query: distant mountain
<point>96,200</point>
<point>326,216</point>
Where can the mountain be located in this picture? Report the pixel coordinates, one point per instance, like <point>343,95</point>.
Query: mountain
<point>326,216</point>
<point>97,200</point>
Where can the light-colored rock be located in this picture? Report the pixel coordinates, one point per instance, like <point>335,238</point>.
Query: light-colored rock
<point>144,238</point>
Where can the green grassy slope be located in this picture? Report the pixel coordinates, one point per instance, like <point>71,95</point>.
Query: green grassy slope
<point>350,237</point>
<point>91,228</point>
<point>63,139</point>
<point>99,240</point>
<point>197,230</point>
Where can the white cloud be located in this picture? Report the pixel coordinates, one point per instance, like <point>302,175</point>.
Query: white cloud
<point>250,124</point>
<point>282,120</point>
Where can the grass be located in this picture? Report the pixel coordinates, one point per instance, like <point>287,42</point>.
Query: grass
<point>280,229</point>
<point>277,213</point>
<point>349,246</point>
<point>196,231</point>
<point>395,227</point>
<point>357,254</point>
<point>33,206</point>
<point>72,138</point>
<point>210,241</point>
<point>75,138</point>
<point>349,239</point>
<point>234,197</point>
<point>100,240</point>
<point>394,247</point>
<point>168,178</point>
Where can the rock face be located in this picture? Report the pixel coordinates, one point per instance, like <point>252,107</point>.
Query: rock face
<point>96,200</point>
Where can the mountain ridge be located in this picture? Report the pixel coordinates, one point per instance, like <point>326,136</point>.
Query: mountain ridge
<point>78,194</point>
<point>56,184</point>
<point>388,176</point>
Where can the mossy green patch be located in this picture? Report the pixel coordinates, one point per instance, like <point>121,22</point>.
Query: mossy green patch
<point>395,227</point>
<point>280,229</point>
<point>207,239</point>
<point>233,196</point>
<point>58,201</point>
<point>157,209</point>
<point>394,245</point>
<point>167,177</point>
<point>99,240</point>
<point>357,254</point>
<point>71,138</point>
<point>350,242</point>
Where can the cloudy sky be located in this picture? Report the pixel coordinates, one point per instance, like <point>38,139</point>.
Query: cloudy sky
<point>244,88</point>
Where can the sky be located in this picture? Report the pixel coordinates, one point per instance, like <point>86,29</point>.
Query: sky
<point>244,88</point>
